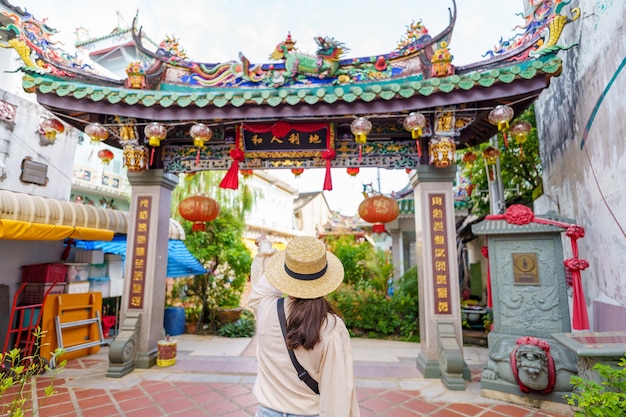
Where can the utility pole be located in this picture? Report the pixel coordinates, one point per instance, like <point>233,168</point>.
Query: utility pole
<point>496,187</point>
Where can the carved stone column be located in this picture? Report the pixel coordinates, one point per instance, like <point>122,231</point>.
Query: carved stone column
<point>438,282</point>
<point>146,262</point>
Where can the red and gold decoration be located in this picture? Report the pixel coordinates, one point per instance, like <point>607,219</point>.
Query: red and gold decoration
<point>106,156</point>
<point>353,171</point>
<point>500,116</point>
<point>198,209</point>
<point>519,131</point>
<point>360,128</point>
<point>441,152</point>
<point>246,173</point>
<point>136,76</point>
<point>379,209</point>
<point>50,128</point>
<point>96,132</point>
<point>200,133</point>
<point>442,61</point>
<point>297,171</point>
<point>414,123</point>
<point>135,158</point>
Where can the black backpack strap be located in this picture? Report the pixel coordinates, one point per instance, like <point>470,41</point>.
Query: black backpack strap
<point>302,373</point>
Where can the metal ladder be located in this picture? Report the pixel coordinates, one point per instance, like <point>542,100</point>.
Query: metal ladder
<point>60,326</point>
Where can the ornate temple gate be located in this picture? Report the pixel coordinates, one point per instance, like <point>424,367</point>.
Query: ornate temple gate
<point>408,109</point>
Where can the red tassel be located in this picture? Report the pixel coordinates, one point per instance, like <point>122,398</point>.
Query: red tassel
<point>152,156</point>
<point>419,148</point>
<point>231,179</point>
<point>580,320</point>
<point>328,155</point>
<point>360,153</point>
<point>198,157</point>
<point>506,141</point>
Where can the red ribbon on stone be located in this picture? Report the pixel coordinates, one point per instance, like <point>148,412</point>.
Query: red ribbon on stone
<point>485,251</point>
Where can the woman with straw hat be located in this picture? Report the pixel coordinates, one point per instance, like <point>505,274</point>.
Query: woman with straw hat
<point>308,372</point>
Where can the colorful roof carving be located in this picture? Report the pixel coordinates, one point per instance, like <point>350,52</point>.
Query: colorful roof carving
<point>418,75</point>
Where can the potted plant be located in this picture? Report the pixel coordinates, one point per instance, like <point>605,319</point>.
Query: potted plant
<point>192,318</point>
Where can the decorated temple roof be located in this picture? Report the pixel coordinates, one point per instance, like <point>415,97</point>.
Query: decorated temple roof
<point>418,76</point>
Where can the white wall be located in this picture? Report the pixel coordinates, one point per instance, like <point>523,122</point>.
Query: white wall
<point>587,184</point>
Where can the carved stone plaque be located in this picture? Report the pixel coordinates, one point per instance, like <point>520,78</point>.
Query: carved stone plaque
<point>525,269</point>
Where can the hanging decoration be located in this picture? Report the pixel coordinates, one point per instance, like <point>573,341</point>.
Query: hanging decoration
<point>360,128</point>
<point>414,123</point>
<point>441,152</point>
<point>491,155</point>
<point>500,116</point>
<point>200,133</point>
<point>199,209</point>
<point>135,158</point>
<point>328,155</point>
<point>246,173</point>
<point>379,209</point>
<point>520,215</point>
<point>155,132</point>
<point>353,171</point>
<point>106,156</point>
<point>297,171</point>
<point>231,179</point>
<point>469,158</point>
<point>520,130</point>
<point>96,132</point>
<point>50,128</point>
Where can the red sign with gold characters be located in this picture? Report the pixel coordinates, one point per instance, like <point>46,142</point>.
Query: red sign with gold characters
<point>439,256</point>
<point>288,139</point>
<point>140,252</point>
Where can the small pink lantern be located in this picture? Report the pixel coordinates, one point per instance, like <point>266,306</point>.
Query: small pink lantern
<point>500,116</point>
<point>414,123</point>
<point>200,133</point>
<point>96,132</point>
<point>360,128</point>
<point>155,132</point>
<point>51,127</point>
<point>520,130</point>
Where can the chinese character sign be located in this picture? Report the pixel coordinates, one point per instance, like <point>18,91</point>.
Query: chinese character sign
<point>140,252</point>
<point>439,253</point>
<point>286,137</point>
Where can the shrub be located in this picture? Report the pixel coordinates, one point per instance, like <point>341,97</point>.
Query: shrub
<point>607,398</point>
<point>368,312</point>
<point>244,327</point>
<point>17,374</point>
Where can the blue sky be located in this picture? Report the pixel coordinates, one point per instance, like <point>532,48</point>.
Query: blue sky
<point>217,30</point>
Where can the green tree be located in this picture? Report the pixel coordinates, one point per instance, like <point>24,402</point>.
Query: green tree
<point>219,247</point>
<point>364,265</point>
<point>520,168</point>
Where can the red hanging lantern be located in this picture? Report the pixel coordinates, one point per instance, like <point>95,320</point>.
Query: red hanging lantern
<point>51,127</point>
<point>105,156</point>
<point>379,210</point>
<point>96,132</point>
<point>353,171</point>
<point>469,158</point>
<point>297,171</point>
<point>246,173</point>
<point>500,116</point>
<point>414,123</point>
<point>198,209</point>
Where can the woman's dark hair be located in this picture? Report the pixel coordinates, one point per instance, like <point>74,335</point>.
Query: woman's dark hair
<point>306,318</point>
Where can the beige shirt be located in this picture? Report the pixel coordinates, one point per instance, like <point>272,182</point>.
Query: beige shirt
<point>330,362</point>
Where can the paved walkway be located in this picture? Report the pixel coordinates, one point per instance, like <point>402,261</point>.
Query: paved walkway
<point>213,376</point>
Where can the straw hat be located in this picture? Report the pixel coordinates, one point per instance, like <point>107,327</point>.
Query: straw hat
<point>305,269</point>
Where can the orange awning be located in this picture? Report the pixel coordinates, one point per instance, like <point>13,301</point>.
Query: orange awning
<point>20,230</point>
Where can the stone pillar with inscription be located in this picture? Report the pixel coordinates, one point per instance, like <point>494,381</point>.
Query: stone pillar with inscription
<point>530,305</point>
<point>143,301</point>
<point>441,339</point>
